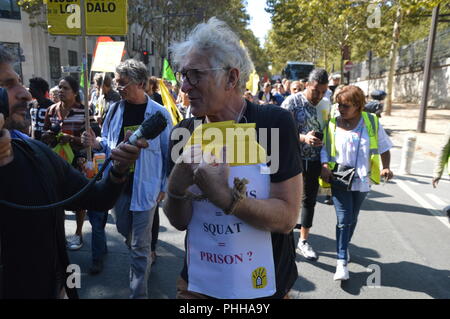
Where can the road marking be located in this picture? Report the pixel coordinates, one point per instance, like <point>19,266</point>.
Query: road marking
<point>414,183</point>
<point>433,211</point>
<point>437,200</point>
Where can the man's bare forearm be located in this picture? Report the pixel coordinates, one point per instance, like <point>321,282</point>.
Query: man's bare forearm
<point>273,215</point>
<point>386,159</point>
<point>277,214</point>
<point>178,211</point>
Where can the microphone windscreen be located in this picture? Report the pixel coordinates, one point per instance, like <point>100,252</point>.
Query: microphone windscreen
<point>153,126</point>
<point>4,108</point>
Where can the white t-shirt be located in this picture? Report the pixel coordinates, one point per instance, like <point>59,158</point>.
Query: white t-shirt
<point>328,94</point>
<point>323,112</point>
<point>346,147</point>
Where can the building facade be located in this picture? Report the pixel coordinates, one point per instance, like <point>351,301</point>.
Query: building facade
<point>39,54</point>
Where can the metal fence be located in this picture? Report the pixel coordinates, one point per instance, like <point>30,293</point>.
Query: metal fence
<point>411,58</point>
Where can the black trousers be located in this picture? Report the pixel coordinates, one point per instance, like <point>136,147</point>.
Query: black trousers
<point>311,173</point>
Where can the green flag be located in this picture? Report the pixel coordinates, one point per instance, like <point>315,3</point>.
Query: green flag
<point>82,77</point>
<point>168,73</point>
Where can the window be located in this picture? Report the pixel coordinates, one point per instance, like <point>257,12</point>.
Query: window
<point>55,63</point>
<point>73,58</point>
<point>9,9</point>
<point>73,61</point>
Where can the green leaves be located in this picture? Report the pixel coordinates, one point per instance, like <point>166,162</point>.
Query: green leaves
<point>316,30</point>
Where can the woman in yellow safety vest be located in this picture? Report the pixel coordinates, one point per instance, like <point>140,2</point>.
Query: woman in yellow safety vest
<point>354,139</point>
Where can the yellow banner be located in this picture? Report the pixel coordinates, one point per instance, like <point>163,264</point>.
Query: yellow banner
<point>169,103</point>
<point>103,17</point>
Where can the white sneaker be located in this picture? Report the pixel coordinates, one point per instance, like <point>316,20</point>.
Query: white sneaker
<point>74,242</point>
<point>341,271</point>
<point>305,249</point>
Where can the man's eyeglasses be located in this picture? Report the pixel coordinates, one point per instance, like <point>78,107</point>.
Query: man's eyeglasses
<point>344,106</point>
<point>122,87</point>
<point>193,76</point>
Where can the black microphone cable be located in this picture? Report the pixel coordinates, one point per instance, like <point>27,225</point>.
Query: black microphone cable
<point>149,129</point>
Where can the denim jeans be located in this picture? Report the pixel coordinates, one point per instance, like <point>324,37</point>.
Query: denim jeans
<point>347,205</point>
<point>136,227</point>
<point>98,242</point>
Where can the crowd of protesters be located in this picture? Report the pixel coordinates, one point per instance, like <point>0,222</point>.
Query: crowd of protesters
<point>260,211</point>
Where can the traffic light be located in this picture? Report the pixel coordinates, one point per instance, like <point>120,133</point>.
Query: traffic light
<point>145,56</point>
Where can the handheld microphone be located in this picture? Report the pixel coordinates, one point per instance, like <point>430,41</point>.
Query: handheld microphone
<point>150,128</point>
<point>4,107</point>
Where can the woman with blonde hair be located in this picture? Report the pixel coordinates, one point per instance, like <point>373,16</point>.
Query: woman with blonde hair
<point>354,144</point>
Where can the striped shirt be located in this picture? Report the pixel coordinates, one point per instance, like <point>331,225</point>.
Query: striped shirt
<point>72,124</point>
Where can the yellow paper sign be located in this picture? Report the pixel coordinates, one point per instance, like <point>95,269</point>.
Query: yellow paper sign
<point>240,141</point>
<point>108,56</point>
<point>103,17</point>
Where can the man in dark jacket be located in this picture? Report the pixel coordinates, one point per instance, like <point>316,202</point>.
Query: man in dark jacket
<point>33,258</point>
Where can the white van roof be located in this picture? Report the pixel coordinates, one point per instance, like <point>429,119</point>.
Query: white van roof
<point>298,62</point>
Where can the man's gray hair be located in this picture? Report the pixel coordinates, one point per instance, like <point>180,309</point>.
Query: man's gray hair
<point>318,75</point>
<point>135,70</point>
<point>220,44</point>
<point>5,56</point>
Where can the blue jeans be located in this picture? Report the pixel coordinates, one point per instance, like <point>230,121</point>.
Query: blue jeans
<point>98,242</point>
<point>136,227</point>
<point>347,205</point>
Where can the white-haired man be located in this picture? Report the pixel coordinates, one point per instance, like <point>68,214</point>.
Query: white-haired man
<point>252,253</point>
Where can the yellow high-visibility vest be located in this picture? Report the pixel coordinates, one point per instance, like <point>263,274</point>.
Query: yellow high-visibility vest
<point>371,122</point>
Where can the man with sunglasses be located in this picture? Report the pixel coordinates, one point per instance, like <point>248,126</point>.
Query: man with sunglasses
<point>310,111</point>
<point>236,246</point>
<point>135,209</point>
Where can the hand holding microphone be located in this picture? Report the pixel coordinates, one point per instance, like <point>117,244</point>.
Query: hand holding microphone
<point>127,152</point>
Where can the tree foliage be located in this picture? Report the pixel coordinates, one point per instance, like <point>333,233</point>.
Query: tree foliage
<point>317,30</point>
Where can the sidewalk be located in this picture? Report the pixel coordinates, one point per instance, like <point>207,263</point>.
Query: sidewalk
<point>403,122</point>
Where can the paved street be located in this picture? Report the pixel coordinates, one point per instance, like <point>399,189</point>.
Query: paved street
<point>397,232</point>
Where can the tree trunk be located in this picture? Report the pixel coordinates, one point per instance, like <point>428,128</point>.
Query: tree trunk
<point>342,65</point>
<point>392,59</point>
